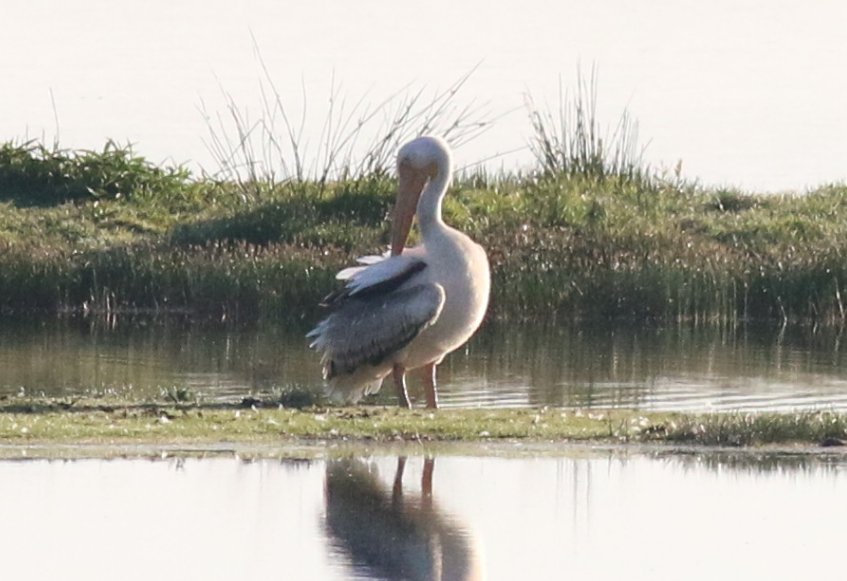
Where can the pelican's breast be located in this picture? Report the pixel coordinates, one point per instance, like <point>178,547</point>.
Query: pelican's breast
<point>462,271</point>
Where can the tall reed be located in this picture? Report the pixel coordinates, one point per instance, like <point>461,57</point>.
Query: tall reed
<point>357,139</point>
<point>570,141</point>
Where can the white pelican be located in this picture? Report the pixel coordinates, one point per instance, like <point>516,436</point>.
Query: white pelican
<point>410,309</point>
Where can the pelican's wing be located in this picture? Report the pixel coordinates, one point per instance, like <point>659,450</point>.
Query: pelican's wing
<point>380,275</point>
<point>369,325</point>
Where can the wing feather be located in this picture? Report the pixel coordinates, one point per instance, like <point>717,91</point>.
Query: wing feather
<point>367,328</point>
<point>378,277</point>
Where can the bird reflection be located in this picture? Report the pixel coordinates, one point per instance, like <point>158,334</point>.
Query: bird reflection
<point>391,535</point>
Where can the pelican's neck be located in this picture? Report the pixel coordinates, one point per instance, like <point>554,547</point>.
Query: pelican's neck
<point>429,204</point>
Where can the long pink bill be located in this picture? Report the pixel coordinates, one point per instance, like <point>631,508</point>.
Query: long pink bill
<point>408,192</point>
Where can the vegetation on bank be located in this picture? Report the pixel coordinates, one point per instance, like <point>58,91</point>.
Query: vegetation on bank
<point>590,232</point>
<point>105,231</point>
<point>119,422</point>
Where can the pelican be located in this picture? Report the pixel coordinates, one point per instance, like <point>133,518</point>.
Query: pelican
<point>408,310</point>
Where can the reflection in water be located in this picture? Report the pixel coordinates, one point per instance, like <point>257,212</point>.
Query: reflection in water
<point>392,534</point>
<point>142,356</point>
<point>756,462</point>
<point>507,365</point>
<point>679,367</point>
<point>572,513</point>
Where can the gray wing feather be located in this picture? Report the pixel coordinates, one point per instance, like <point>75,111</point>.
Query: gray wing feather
<point>367,330</point>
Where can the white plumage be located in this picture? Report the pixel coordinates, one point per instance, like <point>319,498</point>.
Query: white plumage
<point>409,309</point>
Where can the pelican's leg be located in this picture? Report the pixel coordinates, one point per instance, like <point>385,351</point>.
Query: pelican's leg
<point>428,372</point>
<point>426,483</point>
<point>399,375</point>
<point>397,489</point>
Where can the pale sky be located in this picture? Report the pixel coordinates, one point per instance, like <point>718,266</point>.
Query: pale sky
<point>746,93</point>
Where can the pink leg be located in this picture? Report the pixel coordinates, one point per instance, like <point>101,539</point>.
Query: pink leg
<point>428,373</point>
<point>397,489</point>
<point>426,483</point>
<point>399,375</point>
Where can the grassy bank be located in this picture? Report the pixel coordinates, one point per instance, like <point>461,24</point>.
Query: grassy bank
<point>117,423</point>
<point>108,231</point>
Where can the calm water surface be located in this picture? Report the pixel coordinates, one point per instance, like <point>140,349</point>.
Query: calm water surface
<point>583,514</point>
<point>685,368</point>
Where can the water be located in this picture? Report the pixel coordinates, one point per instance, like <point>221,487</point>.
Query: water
<point>575,514</point>
<point>745,93</point>
<point>506,365</point>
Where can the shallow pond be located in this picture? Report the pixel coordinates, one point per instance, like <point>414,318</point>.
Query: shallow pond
<point>568,513</point>
<point>660,368</point>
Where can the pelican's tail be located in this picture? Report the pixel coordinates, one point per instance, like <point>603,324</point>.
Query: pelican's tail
<point>345,389</point>
<point>344,384</point>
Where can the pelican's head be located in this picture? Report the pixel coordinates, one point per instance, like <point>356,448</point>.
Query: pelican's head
<point>422,159</point>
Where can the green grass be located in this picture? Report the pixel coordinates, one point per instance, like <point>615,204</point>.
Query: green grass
<point>737,429</point>
<point>32,174</point>
<point>588,233</point>
<point>561,245</point>
<point>172,421</point>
